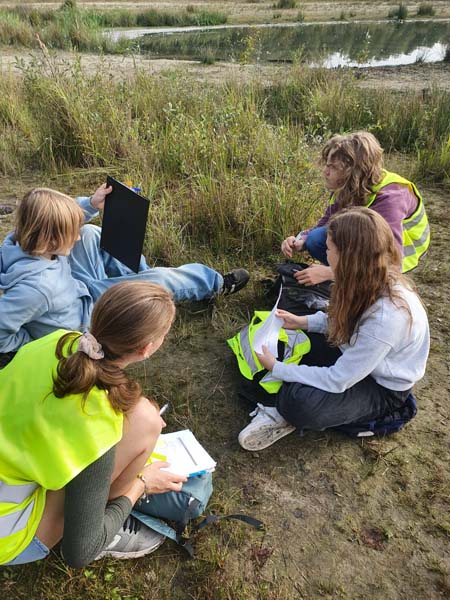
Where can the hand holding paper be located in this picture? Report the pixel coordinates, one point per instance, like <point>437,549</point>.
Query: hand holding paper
<point>159,480</point>
<point>291,321</point>
<point>267,359</point>
<point>267,334</point>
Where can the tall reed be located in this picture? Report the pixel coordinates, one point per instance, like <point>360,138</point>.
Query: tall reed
<point>227,167</point>
<point>82,28</point>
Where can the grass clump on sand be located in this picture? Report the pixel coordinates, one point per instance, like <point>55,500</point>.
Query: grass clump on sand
<point>425,10</point>
<point>224,165</point>
<point>285,4</point>
<point>400,13</point>
<point>70,27</point>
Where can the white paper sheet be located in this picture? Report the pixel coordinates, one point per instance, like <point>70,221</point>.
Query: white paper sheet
<point>267,334</point>
<point>184,453</point>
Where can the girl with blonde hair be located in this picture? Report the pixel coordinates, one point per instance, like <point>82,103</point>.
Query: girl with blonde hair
<point>354,174</point>
<point>366,353</point>
<point>52,269</point>
<point>76,432</point>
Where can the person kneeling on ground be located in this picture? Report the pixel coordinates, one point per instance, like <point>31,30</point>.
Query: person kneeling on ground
<point>76,432</point>
<point>354,174</point>
<point>52,269</point>
<point>377,339</point>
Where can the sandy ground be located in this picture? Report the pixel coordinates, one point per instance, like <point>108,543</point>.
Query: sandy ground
<point>257,11</point>
<point>407,78</point>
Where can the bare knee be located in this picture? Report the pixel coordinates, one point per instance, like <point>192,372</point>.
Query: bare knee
<point>142,425</point>
<point>141,428</point>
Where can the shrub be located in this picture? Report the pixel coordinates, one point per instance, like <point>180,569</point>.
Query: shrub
<point>208,57</point>
<point>69,4</point>
<point>399,13</point>
<point>425,10</point>
<point>283,4</point>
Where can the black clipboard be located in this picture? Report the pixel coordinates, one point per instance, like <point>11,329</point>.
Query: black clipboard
<point>124,224</point>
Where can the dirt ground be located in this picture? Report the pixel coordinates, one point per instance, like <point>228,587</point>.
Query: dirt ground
<point>408,78</point>
<point>344,519</point>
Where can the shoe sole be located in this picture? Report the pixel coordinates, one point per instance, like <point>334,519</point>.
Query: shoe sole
<point>260,440</point>
<point>128,555</point>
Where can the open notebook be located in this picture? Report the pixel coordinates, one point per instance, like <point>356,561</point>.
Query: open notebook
<point>184,453</point>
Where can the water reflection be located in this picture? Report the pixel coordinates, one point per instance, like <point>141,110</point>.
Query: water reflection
<point>331,44</point>
<point>420,54</point>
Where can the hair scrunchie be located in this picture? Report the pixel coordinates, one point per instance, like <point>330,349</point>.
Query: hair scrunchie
<point>89,345</point>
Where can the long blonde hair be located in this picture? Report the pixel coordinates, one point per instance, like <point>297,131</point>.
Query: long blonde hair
<point>47,221</point>
<point>361,158</point>
<point>368,267</point>
<point>125,319</point>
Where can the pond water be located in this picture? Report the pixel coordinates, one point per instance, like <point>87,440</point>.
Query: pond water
<point>329,44</point>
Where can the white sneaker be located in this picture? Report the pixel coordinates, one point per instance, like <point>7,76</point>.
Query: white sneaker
<point>266,427</point>
<point>133,540</point>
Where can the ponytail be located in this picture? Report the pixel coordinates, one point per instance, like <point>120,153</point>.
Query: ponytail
<point>125,319</point>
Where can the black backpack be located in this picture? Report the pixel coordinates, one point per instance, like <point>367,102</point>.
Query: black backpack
<point>297,298</point>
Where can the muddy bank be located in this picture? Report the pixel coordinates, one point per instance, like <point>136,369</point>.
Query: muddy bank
<point>405,78</point>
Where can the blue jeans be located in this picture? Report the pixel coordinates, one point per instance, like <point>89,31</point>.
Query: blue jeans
<point>35,550</point>
<point>99,271</point>
<point>316,244</point>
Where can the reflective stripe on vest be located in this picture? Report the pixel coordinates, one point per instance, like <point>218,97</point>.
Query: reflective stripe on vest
<point>296,340</point>
<point>18,496</point>
<point>416,230</point>
<point>44,441</point>
<point>22,504</point>
<point>15,494</point>
<point>296,344</point>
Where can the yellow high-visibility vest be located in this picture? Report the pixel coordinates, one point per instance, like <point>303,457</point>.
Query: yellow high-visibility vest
<point>296,344</point>
<point>44,441</point>
<point>416,230</point>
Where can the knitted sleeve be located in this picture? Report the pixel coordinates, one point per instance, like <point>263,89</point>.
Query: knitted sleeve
<point>90,521</point>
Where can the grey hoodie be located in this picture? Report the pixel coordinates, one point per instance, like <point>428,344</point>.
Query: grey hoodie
<point>39,295</point>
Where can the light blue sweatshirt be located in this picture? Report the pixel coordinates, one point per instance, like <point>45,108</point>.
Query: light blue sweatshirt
<point>386,346</point>
<point>39,295</point>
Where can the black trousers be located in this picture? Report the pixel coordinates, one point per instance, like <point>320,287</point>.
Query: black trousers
<point>308,407</point>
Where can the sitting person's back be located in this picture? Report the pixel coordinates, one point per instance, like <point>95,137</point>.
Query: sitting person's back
<point>52,269</point>
<point>39,292</point>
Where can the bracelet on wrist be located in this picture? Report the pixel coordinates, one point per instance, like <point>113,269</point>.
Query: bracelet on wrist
<point>144,496</point>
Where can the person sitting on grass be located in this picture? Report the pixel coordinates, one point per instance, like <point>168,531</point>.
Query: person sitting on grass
<point>366,353</point>
<point>76,432</point>
<point>52,269</point>
<point>354,174</point>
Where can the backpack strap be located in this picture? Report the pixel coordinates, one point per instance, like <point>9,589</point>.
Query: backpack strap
<point>185,541</point>
<point>178,534</point>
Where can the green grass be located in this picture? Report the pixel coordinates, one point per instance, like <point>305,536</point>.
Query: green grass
<point>425,10</point>
<point>82,29</point>
<point>224,165</point>
<point>400,13</point>
<point>230,169</point>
